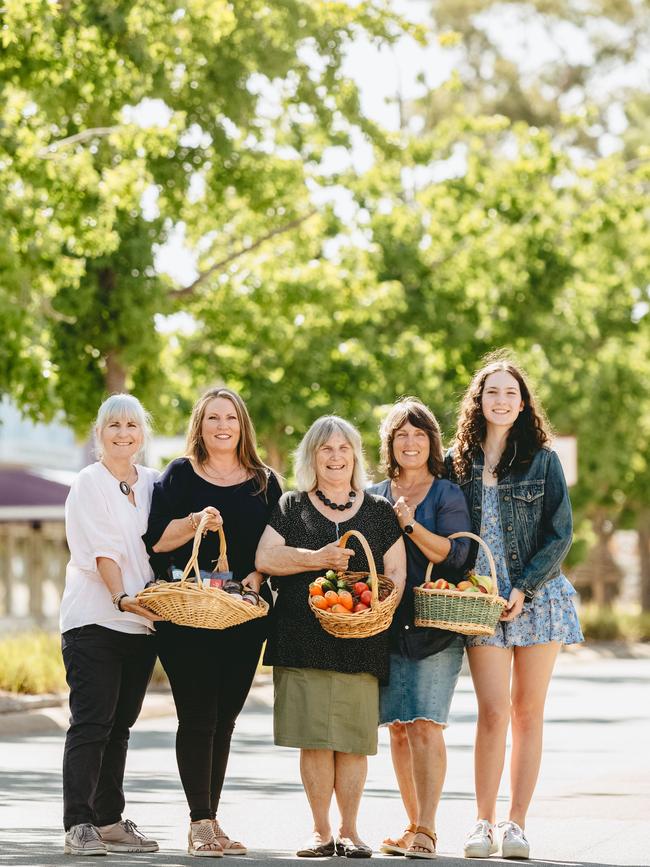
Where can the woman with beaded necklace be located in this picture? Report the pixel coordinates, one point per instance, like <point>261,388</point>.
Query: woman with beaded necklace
<point>326,688</point>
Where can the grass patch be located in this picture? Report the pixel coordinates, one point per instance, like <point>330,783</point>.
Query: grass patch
<point>610,624</point>
<point>31,663</point>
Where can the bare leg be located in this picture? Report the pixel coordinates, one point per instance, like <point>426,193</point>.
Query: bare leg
<point>429,766</point>
<point>349,780</point>
<point>401,755</point>
<point>317,774</point>
<point>532,670</point>
<point>490,669</point>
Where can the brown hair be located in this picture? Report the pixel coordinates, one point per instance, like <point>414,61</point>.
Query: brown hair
<point>410,409</point>
<point>246,447</point>
<point>528,434</point>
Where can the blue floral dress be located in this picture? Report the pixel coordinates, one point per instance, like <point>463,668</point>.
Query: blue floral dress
<point>550,616</point>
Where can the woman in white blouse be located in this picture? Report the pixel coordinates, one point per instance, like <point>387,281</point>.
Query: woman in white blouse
<point>107,643</point>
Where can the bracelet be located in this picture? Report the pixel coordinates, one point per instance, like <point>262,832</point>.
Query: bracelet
<point>117,599</point>
<point>193,522</point>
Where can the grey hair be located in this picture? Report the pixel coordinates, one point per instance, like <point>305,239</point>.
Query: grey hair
<point>119,406</point>
<point>317,435</point>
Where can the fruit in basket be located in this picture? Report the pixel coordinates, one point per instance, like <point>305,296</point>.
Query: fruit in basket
<point>320,602</point>
<point>441,584</point>
<point>473,577</point>
<point>315,589</point>
<point>473,589</point>
<point>359,607</point>
<point>464,585</point>
<point>346,600</point>
<point>359,588</point>
<point>485,583</point>
<point>366,597</point>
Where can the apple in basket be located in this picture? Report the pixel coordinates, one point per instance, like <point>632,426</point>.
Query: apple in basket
<point>485,584</point>
<point>439,584</point>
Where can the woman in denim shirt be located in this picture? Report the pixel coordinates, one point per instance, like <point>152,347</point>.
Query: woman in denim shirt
<point>519,504</point>
<point>424,663</point>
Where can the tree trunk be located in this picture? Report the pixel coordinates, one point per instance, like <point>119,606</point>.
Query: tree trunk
<point>115,373</point>
<point>643,529</point>
<point>274,457</point>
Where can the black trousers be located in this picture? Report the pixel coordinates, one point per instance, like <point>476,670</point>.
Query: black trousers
<point>210,672</point>
<point>108,673</point>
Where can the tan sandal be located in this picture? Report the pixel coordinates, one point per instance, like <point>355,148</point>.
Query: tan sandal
<point>412,852</point>
<point>230,847</point>
<point>397,847</point>
<point>202,841</point>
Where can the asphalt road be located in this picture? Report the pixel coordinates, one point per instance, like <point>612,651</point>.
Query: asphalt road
<point>592,805</point>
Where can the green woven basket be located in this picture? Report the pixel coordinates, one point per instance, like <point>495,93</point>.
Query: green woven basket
<point>467,613</point>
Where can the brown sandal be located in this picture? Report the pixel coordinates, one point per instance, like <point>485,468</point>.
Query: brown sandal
<point>397,847</point>
<point>230,847</point>
<point>411,852</point>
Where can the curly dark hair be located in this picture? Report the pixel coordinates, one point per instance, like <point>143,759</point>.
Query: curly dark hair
<point>411,409</point>
<point>529,433</point>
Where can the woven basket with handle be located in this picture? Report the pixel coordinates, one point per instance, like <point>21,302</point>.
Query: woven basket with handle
<point>363,624</point>
<point>460,611</point>
<point>192,604</point>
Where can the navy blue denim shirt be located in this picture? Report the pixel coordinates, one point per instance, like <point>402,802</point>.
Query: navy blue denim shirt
<point>443,511</point>
<point>535,513</point>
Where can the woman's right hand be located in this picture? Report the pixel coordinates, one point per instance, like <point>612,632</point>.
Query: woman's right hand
<point>332,556</point>
<point>214,518</point>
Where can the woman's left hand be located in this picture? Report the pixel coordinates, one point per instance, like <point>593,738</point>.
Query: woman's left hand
<point>514,605</point>
<point>131,604</point>
<point>253,581</point>
<point>403,512</point>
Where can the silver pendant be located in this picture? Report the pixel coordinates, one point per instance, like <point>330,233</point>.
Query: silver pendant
<point>125,487</point>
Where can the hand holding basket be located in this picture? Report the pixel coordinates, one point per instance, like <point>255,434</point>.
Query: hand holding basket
<point>192,604</point>
<point>375,619</point>
<point>460,611</point>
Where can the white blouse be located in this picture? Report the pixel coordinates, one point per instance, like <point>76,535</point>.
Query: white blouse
<point>101,522</point>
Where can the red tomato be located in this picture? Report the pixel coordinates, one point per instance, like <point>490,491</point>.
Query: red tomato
<point>359,607</point>
<point>366,597</point>
<point>359,588</point>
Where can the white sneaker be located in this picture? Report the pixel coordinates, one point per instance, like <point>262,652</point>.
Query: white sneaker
<point>513,843</point>
<point>480,841</point>
<point>84,839</point>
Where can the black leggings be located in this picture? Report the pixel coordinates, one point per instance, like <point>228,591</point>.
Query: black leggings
<point>210,672</point>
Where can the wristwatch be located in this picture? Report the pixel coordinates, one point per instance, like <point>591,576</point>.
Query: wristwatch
<point>408,528</point>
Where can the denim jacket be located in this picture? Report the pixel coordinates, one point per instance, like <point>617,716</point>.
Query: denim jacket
<point>535,513</point>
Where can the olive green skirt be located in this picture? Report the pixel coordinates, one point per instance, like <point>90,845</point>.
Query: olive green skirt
<point>325,710</point>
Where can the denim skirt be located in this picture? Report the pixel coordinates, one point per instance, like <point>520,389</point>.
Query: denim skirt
<point>325,710</point>
<point>421,688</point>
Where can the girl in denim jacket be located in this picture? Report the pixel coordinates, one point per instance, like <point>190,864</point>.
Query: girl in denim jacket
<point>519,504</point>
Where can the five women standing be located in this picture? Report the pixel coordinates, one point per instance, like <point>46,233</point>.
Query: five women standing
<point>327,697</point>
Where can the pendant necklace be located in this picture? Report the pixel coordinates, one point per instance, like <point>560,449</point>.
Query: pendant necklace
<point>125,487</point>
<point>341,507</point>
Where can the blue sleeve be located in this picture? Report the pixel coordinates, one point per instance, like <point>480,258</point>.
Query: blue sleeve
<point>453,517</point>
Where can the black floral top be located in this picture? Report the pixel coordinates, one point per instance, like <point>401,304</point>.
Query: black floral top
<point>296,638</point>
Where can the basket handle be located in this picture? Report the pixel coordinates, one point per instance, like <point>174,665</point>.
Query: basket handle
<point>371,562</point>
<point>493,570</point>
<point>222,562</point>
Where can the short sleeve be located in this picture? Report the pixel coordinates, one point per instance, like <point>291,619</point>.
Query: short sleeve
<point>90,529</point>
<point>280,519</point>
<point>167,504</point>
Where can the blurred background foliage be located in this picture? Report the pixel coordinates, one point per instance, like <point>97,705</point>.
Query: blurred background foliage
<point>509,209</point>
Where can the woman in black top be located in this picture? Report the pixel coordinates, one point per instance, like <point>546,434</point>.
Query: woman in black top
<point>326,688</point>
<point>211,670</point>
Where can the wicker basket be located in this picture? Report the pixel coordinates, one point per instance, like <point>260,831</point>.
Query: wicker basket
<point>363,624</point>
<point>188,604</point>
<point>467,613</point>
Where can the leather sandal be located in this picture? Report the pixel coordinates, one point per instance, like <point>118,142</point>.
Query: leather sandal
<point>412,852</point>
<point>347,848</point>
<point>316,849</point>
<point>201,840</point>
<point>397,847</point>
<point>230,847</point>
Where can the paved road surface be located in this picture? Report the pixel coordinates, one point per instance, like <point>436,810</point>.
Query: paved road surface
<point>592,804</point>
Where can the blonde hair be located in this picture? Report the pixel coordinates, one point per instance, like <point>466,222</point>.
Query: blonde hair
<point>317,435</point>
<point>122,406</point>
<point>246,447</point>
